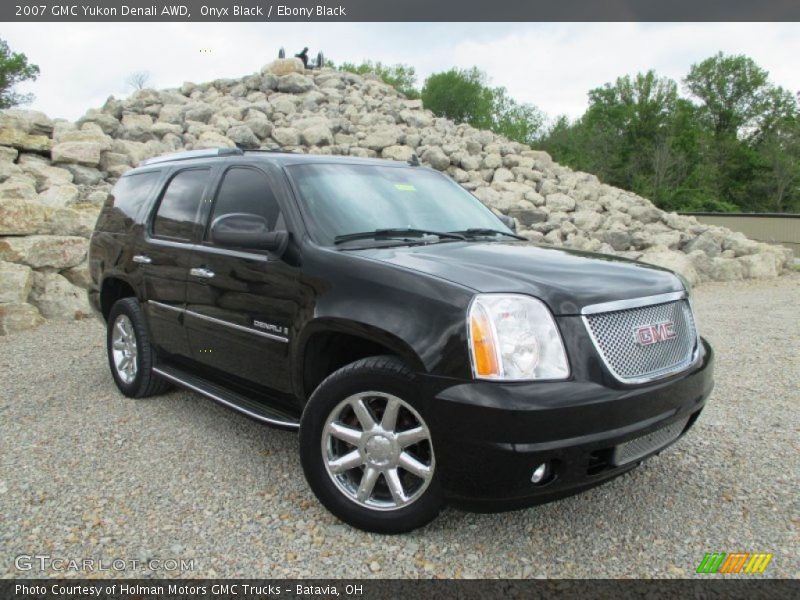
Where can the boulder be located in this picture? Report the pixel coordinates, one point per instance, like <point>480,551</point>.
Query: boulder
<point>674,261</point>
<point>84,153</point>
<point>21,217</point>
<point>37,251</point>
<point>57,298</point>
<point>317,135</point>
<point>18,317</point>
<point>758,266</point>
<point>436,158</point>
<point>295,83</point>
<point>284,66</point>
<point>18,138</point>
<point>15,283</point>
<point>243,136</point>
<point>286,136</point>
<point>401,153</point>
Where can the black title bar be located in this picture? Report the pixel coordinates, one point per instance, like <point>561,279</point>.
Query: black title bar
<point>399,10</point>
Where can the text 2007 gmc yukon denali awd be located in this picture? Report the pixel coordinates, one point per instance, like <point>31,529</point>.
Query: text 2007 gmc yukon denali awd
<point>424,351</point>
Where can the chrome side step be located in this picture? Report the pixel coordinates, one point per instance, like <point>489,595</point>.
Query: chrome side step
<point>228,398</point>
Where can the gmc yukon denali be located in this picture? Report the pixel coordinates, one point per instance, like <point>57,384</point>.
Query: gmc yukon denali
<point>424,351</point>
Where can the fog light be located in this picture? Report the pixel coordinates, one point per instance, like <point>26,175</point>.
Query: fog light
<point>539,473</point>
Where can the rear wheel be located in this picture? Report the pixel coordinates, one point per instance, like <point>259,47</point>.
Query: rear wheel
<point>130,355</point>
<point>367,450</point>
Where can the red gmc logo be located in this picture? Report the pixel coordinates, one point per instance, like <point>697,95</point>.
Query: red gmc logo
<point>647,335</point>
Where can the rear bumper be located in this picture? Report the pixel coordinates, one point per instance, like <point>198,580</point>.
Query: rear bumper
<point>491,436</point>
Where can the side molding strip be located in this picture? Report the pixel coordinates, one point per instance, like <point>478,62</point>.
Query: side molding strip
<point>269,336</point>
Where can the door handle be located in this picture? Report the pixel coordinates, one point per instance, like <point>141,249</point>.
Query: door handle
<point>142,259</point>
<point>200,272</point>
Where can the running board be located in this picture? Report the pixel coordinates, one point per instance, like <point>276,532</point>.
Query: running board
<point>226,397</point>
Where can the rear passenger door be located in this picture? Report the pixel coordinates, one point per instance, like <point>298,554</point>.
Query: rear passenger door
<point>164,254</point>
<point>241,303</point>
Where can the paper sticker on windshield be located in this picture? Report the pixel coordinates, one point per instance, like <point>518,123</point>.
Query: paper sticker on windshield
<point>405,187</point>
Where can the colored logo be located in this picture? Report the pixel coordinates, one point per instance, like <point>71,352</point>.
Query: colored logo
<point>655,333</point>
<point>736,562</point>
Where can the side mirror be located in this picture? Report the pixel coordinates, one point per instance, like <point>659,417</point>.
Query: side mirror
<point>244,230</point>
<point>508,222</point>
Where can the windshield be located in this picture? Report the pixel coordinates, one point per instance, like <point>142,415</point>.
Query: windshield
<point>343,199</point>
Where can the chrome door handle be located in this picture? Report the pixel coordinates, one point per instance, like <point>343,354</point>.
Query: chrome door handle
<point>204,273</point>
<point>142,259</point>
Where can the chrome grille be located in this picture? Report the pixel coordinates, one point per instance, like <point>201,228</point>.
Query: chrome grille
<point>614,336</point>
<point>638,447</point>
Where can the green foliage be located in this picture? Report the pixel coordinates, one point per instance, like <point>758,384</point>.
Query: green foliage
<point>402,77</point>
<point>737,148</point>
<point>460,95</point>
<point>14,68</point>
<point>464,96</point>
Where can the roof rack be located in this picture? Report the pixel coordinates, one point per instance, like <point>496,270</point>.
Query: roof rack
<point>190,154</point>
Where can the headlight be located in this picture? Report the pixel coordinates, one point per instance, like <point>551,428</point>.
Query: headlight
<point>514,337</point>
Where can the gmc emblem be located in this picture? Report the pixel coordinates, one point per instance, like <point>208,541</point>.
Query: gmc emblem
<point>647,335</point>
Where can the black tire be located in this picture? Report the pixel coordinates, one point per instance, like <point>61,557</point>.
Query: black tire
<point>145,382</point>
<point>383,374</point>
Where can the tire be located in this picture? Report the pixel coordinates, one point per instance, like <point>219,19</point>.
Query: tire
<point>126,323</point>
<point>388,482</point>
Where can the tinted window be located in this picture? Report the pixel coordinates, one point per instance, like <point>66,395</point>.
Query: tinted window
<point>342,199</point>
<point>131,191</point>
<point>178,209</point>
<point>246,191</point>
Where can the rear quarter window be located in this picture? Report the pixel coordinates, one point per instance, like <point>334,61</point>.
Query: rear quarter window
<point>127,197</point>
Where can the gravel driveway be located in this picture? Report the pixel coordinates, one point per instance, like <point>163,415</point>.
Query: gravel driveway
<point>87,472</point>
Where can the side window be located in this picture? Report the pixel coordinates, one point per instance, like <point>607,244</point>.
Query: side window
<point>127,197</point>
<point>247,191</point>
<point>178,208</point>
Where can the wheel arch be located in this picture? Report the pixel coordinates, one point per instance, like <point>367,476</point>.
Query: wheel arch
<point>329,344</point>
<point>113,288</point>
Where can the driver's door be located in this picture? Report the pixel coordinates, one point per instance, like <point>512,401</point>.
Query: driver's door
<point>241,303</point>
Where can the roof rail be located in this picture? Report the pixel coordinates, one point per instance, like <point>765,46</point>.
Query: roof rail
<point>190,154</point>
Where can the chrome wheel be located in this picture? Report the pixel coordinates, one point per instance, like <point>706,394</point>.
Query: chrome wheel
<point>123,349</point>
<point>378,451</point>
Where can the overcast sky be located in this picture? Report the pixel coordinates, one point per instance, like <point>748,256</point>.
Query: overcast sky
<point>549,65</point>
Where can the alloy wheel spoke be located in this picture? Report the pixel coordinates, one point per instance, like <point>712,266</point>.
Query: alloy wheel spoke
<point>389,420</point>
<point>351,460</point>
<point>411,436</point>
<point>395,486</point>
<point>412,465</point>
<point>118,344</point>
<point>364,414</point>
<point>345,433</point>
<point>367,484</point>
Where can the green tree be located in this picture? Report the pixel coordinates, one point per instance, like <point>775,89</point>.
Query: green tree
<point>464,96</point>
<point>519,122</point>
<point>461,95</point>
<point>736,95</point>
<point>14,68</point>
<point>402,77</point>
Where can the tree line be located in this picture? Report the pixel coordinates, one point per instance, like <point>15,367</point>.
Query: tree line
<point>726,140</point>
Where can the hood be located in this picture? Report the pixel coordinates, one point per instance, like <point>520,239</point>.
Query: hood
<point>565,280</point>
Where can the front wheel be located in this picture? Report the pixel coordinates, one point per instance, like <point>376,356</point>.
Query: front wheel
<point>366,448</point>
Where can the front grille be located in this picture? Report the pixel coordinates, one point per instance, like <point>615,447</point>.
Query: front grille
<point>642,446</point>
<point>614,335</point>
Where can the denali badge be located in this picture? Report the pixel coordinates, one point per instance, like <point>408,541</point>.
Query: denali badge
<point>652,334</point>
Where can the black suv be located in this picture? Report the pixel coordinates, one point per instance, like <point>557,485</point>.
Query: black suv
<point>424,351</point>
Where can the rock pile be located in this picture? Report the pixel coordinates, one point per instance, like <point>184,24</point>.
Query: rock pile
<point>55,176</point>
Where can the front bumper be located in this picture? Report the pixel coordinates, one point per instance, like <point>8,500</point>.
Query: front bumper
<point>490,436</point>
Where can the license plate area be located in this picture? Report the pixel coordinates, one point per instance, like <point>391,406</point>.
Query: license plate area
<point>637,448</point>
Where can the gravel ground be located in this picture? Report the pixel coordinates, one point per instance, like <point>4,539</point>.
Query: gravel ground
<point>87,472</point>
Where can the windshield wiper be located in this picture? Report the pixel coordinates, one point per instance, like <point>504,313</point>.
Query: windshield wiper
<point>379,234</point>
<point>482,232</point>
